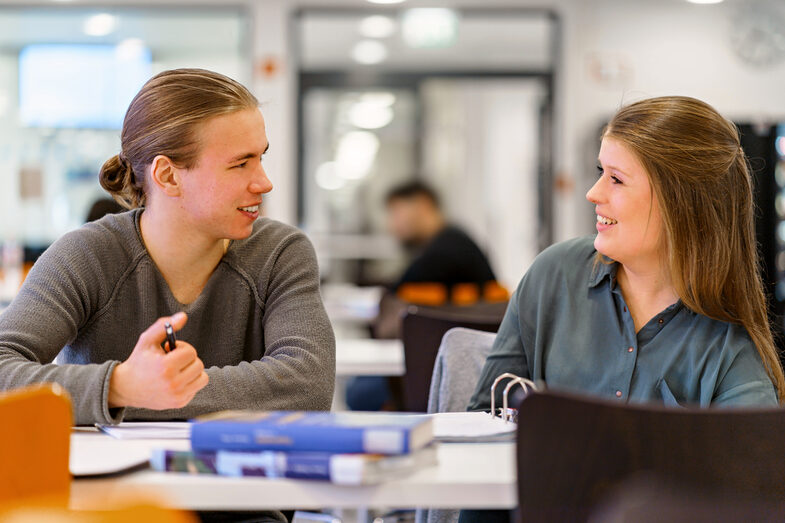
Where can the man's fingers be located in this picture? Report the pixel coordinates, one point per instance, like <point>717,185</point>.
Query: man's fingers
<point>189,373</point>
<point>156,333</point>
<point>179,320</point>
<point>182,356</point>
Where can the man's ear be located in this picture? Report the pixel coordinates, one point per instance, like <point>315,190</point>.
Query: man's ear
<point>165,175</point>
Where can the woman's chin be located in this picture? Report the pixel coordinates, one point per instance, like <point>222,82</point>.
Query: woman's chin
<point>603,247</point>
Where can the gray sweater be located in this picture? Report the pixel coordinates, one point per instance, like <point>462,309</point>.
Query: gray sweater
<point>259,325</point>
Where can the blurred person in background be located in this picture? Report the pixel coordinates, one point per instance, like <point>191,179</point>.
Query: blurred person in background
<point>441,253</point>
<point>103,206</point>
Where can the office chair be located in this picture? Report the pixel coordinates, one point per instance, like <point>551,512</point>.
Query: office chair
<point>422,331</point>
<point>572,451</point>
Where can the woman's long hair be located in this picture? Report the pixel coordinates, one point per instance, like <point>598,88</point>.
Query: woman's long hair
<point>701,179</point>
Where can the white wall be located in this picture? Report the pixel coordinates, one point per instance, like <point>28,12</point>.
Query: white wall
<point>666,47</point>
<point>663,47</point>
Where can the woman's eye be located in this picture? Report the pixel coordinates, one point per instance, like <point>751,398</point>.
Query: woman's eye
<point>600,170</point>
<point>615,180</point>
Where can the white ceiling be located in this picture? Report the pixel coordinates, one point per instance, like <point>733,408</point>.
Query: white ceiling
<point>169,30</point>
<point>520,42</point>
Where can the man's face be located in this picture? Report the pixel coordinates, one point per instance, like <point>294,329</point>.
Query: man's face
<point>406,218</point>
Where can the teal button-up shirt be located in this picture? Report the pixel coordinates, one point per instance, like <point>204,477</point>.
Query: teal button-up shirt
<point>567,324</point>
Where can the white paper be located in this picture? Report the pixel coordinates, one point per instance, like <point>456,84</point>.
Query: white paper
<point>471,426</point>
<point>148,430</point>
<point>99,455</point>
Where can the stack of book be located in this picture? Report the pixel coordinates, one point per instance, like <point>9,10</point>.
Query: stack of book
<point>347,448</point>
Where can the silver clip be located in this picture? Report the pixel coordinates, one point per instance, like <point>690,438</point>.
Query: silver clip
<point>506,375</point>
<point>525,384</point>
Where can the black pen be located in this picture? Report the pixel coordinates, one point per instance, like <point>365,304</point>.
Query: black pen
<point>170,336</point>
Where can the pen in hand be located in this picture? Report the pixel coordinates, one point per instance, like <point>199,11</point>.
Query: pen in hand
<point>170,337</point>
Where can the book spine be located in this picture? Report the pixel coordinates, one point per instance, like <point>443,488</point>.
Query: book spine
<point>213,436</point>
<point>244,464</point>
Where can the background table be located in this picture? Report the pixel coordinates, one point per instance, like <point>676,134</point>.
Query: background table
<point>472,475</point>
<point>369,357</point>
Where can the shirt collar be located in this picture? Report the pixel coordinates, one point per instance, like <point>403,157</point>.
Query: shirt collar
<point>603,270</point>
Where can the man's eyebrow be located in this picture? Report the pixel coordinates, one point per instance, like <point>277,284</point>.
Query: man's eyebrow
<point>248,156</point>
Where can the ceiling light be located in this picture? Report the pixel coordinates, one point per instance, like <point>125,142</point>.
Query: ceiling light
<point>369,52</point>
<point>369,115</point>
<point>386,1</point>
<point>327,178</point>
<point>377,26</point>
<point>704,1</point>
<point>130,49</point>
<point>426,27</point>
<point>384,98</point>
<point>100,25</point>
<point>356,154</point>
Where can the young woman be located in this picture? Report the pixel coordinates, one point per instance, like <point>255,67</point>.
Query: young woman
<point>665,304</point>
<point>242,291</point>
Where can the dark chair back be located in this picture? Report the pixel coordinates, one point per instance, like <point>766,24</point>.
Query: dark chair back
<point>572,451</point>
<point>422,331</point>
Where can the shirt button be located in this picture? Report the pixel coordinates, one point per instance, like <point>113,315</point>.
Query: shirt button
<point>660,321</point>
<point>618,394</point>
<point>630,349</point>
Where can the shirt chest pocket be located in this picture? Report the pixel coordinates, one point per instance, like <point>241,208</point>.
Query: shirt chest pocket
<point>667,395</point>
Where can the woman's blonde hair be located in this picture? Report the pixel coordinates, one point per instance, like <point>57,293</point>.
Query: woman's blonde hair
<point>163,119</point>
<point>701,179</point>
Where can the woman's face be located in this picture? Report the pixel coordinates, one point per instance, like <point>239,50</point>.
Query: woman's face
<point>223,192</point>
<point>629,223</point>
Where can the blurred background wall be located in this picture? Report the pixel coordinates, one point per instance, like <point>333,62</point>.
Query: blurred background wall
<point>497,104</point>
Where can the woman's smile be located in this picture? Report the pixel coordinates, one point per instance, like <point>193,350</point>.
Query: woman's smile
<point>604,223</point>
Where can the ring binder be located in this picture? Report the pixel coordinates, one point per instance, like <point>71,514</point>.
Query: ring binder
<point>516,380</point>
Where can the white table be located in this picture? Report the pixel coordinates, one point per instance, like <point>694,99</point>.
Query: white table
<point>473,475</point>
<point>369,357</point>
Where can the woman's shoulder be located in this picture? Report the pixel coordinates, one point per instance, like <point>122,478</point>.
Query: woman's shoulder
<point>577,249</point>
<point>573,258</point>
<point>728,340</point>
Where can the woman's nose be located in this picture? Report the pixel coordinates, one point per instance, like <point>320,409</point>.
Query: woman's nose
<point>595,194</point>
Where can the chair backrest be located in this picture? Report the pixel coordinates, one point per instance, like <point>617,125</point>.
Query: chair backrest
<point>35,437</point>
<point>457,368</point>
<point>456,371</point>
<point>422,331</point>
<point>572,451</point>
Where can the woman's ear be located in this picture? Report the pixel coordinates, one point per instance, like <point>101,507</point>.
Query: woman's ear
<point>165,175</point>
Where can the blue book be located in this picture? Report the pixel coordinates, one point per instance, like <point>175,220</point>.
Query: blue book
<point>342,469</point>
<point>335,432</point>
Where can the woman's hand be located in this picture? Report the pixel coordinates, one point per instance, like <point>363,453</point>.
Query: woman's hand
<point>153,379</point>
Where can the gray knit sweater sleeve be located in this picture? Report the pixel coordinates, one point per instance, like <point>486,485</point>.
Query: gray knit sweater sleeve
<point>259,326</point>
<point>59,295</point>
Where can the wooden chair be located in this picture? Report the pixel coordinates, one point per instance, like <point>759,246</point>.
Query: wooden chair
<point>34,443</point>
<point>572,451</point>
<point>422,331</point>
<point>132,514</point>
